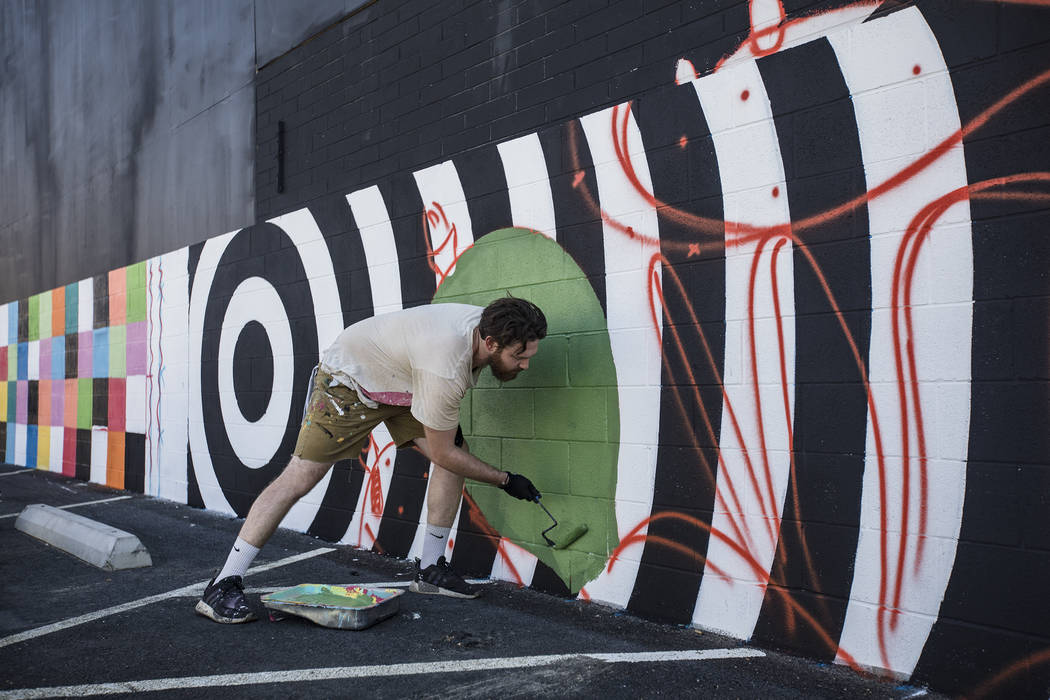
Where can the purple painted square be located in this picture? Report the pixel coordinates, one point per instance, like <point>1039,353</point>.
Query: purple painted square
<point>136,349</point>
<point>58,403</point>
<point>85,365</point>
<point>45,358</point>
<point>22,405</point>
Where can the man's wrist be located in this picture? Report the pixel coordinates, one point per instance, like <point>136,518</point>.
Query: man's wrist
<point>504,480</point>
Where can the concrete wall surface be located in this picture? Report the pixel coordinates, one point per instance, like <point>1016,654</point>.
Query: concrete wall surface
<point>127,128</point>
<point>793,257</point>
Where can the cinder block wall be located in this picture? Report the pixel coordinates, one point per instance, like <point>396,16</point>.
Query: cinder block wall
<point>796,383</point>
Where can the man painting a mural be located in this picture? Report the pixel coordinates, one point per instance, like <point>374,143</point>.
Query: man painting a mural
<point>410,370</point>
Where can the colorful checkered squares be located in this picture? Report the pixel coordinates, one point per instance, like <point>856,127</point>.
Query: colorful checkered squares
<point>72,363</point>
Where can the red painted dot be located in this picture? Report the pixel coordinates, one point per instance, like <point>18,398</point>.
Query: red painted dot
<point>776,191</point>
<point>400,510</point>
<point>745,94</point>
<point>683,142</point>
<point>916,69</point>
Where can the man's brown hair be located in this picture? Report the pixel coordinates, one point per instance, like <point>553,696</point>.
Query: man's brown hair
<point>510,320</point>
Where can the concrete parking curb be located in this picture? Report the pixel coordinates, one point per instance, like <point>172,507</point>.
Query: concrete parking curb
<point>96,543</point>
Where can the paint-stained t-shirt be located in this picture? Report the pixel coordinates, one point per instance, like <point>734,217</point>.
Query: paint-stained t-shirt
<point>420,357</point>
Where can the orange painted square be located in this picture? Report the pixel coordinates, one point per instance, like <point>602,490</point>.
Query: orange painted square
<point>118,304</point>
<point>58,312</point>
<point>115,459</point>
<point>43,410</point>
<point>70,418</point>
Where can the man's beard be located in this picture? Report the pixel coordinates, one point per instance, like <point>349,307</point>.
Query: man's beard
<point>503,374</point>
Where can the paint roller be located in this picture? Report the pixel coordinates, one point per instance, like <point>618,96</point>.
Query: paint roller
<point>564,536</point>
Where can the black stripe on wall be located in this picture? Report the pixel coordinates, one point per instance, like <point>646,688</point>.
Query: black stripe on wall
<point>33,401</point>
<point>193,493</point>
<point>994,618</point>
<point>72,344</point>
<point>817,130</point>
<point>684,171</point>
<point>83,456</point>
<point>574,189</point>
<point>485,186</point>
<point>135,462</point>
<point>101,301</point>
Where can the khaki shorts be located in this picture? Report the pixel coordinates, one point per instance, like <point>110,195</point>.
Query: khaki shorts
<point>337,424</point>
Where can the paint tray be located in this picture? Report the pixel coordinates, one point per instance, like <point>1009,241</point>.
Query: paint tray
<point>341,607</point>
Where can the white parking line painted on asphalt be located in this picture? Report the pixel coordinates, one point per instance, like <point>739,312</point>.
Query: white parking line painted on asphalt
<point>19,471</point>
<point>74,505</point>
<point>194,589</point>
<point>378,671</point>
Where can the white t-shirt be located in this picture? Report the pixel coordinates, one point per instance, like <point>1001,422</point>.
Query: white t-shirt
<point>426,352</point>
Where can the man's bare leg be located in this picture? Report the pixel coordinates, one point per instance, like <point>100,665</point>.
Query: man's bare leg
<point>269,509</point>
<point>223,599</point>
<point>444,493</point>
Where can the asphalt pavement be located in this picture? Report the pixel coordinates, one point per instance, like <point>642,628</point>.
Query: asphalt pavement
<point>69,629</point>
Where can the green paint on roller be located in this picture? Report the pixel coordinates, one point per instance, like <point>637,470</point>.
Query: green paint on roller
<point>563,541</point>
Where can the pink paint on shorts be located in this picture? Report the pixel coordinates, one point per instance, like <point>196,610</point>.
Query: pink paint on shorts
<point>390,398</point>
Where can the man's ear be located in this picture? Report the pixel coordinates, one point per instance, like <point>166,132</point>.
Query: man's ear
<point>491,344</point>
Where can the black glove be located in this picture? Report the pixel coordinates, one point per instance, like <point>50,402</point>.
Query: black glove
<point>520,487</point>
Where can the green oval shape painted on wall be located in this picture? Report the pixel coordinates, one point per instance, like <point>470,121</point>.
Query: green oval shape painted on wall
<point>558,422</point>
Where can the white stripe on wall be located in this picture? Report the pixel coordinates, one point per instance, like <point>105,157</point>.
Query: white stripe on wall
<point>895,127</point>
<point>632,337</point>
<point>377,239</point>
<point>528,184</point>
<point>441,190</point>
<point>754,191</point>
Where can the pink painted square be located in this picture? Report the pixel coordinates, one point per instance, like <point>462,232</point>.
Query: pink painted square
<point>58,402</point>
<point>136,348</point>
<point>45,358</point>
<point>22,403</point>
<point>85,367</point>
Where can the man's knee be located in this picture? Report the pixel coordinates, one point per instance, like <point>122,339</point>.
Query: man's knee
<point>301,475</point>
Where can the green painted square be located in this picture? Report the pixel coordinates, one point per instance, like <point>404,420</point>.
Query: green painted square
<point>548,367</point>
<point>464,413</point>
<point>136,276</point>
<point>34,317</point>
<point>583,370</point>
<point>585,460</point>
<point>12,363</point>
<point>136,300</point>
<point>486,449</point>
<point>118,353</point>
<point>529,265</point>
<point>72,307</point>
<point>546,462</point>
<point>502,412</point>
<point>557,300</point>
<point>85,387</point>
<point>578,413</point>
<point>45,315</point>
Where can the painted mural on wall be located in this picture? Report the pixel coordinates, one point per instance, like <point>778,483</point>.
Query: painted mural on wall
<point>757,390</point>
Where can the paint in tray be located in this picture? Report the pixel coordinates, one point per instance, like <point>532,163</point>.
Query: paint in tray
<point>341,607</point>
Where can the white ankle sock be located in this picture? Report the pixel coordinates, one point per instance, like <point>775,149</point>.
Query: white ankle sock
<point>241,557</point>
<point>434,542</point>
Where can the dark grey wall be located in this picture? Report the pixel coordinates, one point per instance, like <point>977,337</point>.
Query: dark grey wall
<point>280,24</point>
<point>127,127</point>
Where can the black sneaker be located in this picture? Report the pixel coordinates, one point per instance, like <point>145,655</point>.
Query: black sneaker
<point>224,601</point>
<point>440,579</point>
